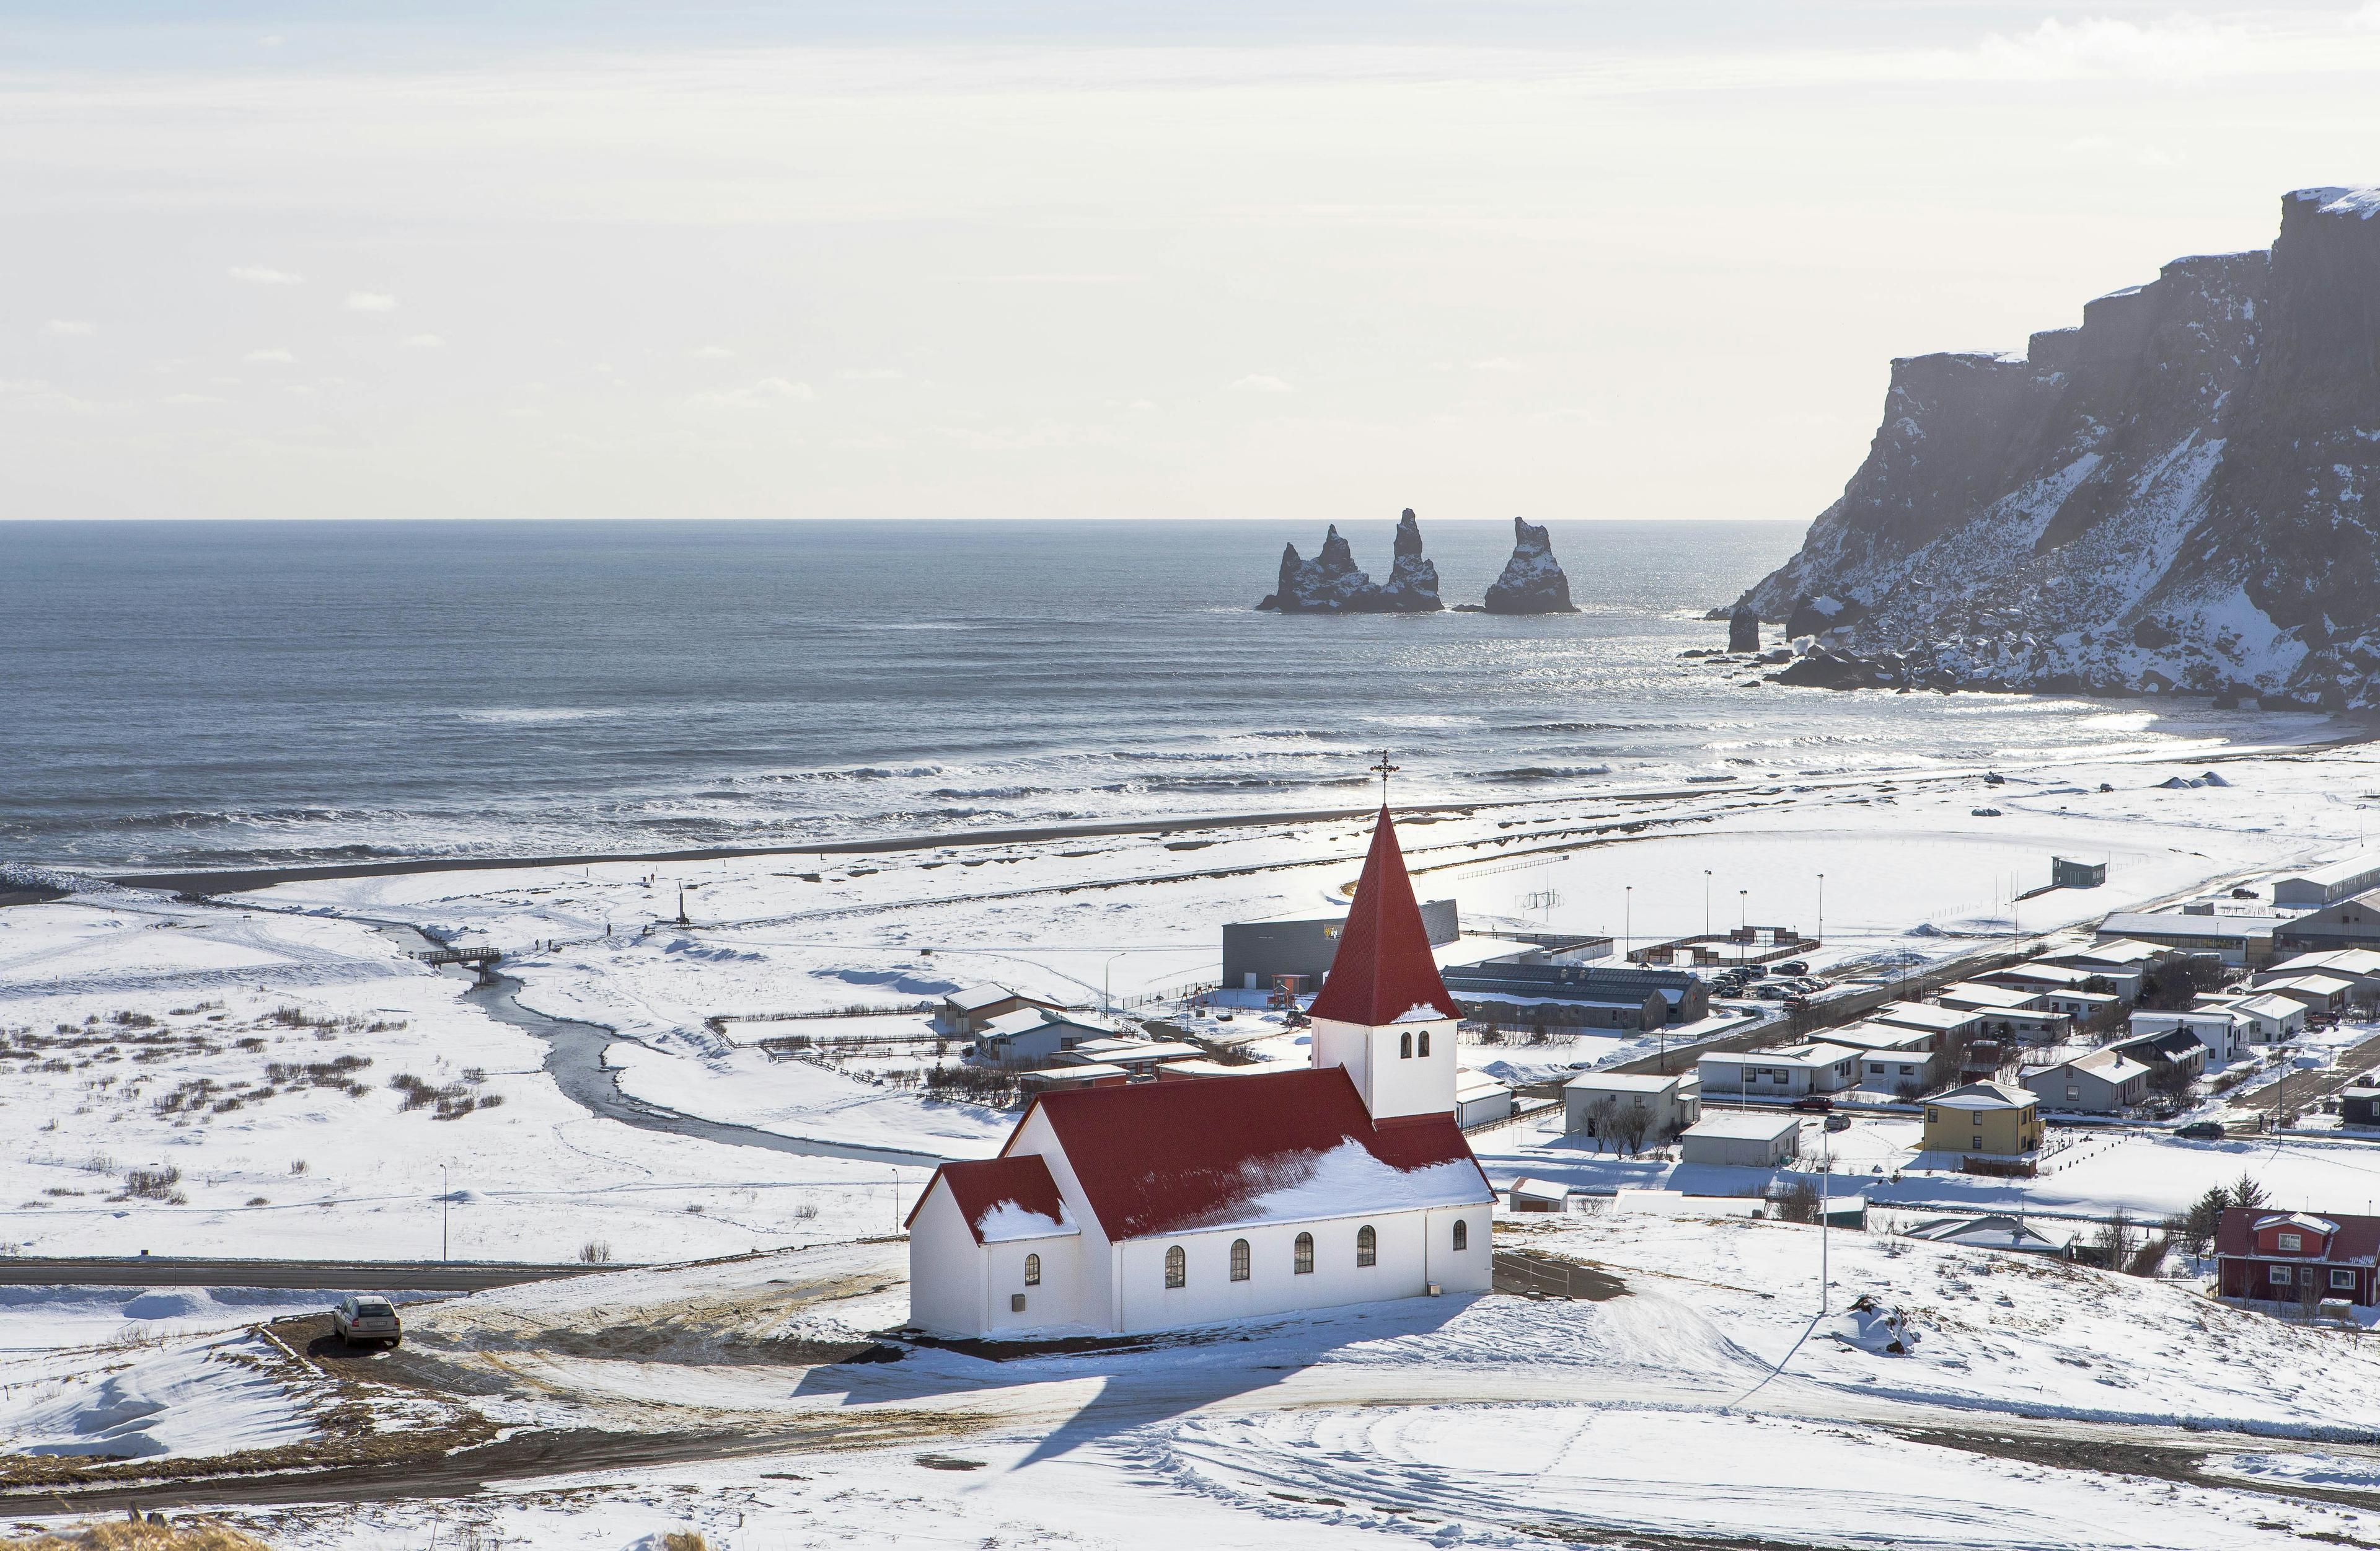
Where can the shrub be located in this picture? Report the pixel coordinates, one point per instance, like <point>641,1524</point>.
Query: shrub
<point>595,1252</point>
<point>685,1540</point>
<point>806,1211</point>
<point>297,1165</point>
<point>151,1184</point>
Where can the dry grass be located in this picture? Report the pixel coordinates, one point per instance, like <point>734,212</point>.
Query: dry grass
<point>685,1540</point>
<point>123,1534</point>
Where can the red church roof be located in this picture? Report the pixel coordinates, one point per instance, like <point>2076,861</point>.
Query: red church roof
<point>1162,1157</point>
<point>983,1186</point>
<point>1383,969</point>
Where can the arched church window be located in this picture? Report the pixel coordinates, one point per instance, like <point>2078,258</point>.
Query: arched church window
<point>1425,1042</point>
<point>1368,1246</point>
<point>1405,1047</point>
<point>1033,1269</point>
<point>1177,1267</point>
<point>1462,1234</point>
<point>1239,1259</point>
<point>1304,1264</point>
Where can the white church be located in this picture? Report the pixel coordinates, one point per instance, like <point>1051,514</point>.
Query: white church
<point>1182,1202</point>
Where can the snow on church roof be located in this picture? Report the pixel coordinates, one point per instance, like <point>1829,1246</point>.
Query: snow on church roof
<point>1003,1199</point>
<point>1383,969</point>
<point>1168,1157</point>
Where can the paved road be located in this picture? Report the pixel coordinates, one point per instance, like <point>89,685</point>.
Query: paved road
<point>157,1271</point>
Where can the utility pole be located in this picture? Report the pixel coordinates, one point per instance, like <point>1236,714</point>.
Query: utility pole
<point>896,1200</point>
<point>1825,1202</point>
<point>1628,925</point>
<point>1707,871</point>
<point>1743,922</point>
<point>1822,906</point>
<point>444,1199</point>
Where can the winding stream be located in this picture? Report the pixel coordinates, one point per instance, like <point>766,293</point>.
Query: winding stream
<point>574,1058</point>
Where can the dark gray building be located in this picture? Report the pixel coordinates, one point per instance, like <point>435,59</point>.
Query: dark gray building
<point>1258,953</point>
<point>2067,873</point>
<point>1545,986</point>
<point>2350,923</point>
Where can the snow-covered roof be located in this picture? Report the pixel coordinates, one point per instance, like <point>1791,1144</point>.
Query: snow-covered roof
<point>2173,924</point>
<point>1880,1036</point>
<point>1745,1126</point>
<point>1918,1014</point>
<point>2047,975</point>
<point>1383,967</point>
<point>1624,1082</point>
<point>1477,1085</point>
<point>1989,1233</point>
<point>1812,1056</point>
<point>2330,873</point>
<point>1985,1095</point>
<point>1024,1021</point>
<point>1172,1157</point>
<point>2358,962</point>
<point>2271,1006</point>
<point>2311,1224</point>
<point>1003,1199</point>
<point>2318,983</point>
<point>2122,952</point>
<point>1983,996</point>
<point>1078,1072</point>
<point>1527,1189</point>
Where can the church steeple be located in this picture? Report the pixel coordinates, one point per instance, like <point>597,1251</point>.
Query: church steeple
<point>1383,1012</point>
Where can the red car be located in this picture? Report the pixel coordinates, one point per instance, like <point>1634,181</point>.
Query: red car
<point>1814,1103</point>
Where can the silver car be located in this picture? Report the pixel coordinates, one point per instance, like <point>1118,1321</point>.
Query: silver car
<point>362,1318</point>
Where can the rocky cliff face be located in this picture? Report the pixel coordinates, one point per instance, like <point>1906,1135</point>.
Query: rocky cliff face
<point>1532,581</point>
<point>2178,494</point>
<point>1330,583</point>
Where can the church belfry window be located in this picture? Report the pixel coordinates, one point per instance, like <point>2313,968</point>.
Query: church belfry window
<point>1368,1246</point>
<point>1239,1259</point>
<point>1177,1267</point>
<point>1425,1042</point>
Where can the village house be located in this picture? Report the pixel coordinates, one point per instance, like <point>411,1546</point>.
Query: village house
<point>1792,1072</point>
<point>1944,1024</point>
<point>2172,1047</point>
<point>966,1013</point>
<point>2103,1082</point>
<point>2359,1104</point>
<point>2270,1018</point>
<point>2328,883</point>
<point>1675,1102</point>
<point>1892,1060</point>
<point>2296,1257</point>
<point>2224,1036</point>
<point>2125,955</point>
<point>2359,967</point>
<point>1139,1056</point>
<point>2039,977</point>
<point>1742,1140</point>
<point>1479,1098</point>
<point>1994,1118</point>
<point>2241,941</point>
<point>2351,923</point>
<point>2315,991</point>
<point>2080,1007</point>
<point>1154,1205</point>
<point>1034,1037</point>
<point>2008,1012</point>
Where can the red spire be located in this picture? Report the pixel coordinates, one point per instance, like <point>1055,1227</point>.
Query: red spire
<point>1383,969</point>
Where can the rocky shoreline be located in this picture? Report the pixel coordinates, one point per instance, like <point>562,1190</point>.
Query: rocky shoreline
<point>1531,583</point>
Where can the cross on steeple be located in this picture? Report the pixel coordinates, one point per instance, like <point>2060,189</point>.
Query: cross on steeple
<point>1384,770</point>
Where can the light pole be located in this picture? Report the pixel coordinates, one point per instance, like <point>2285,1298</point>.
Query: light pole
<point>1107,1004</point>
<point>1822,906</point>
<point>1826,1200</point>
<point>1743,922</point>
<point>1628,923</point>
<point>1707,902</point>
<point>443,1199</point>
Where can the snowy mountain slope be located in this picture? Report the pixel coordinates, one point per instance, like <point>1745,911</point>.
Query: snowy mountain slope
<point>2173,495</point>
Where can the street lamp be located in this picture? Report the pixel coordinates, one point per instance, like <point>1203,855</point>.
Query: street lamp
<point>1707,871</point>
<point>444,1199</point>
<point>1628,923</point>
<point>1743,922</point>
<point>1826,1201</point>
<point>1822,906</point>
<point>1106,1006</point>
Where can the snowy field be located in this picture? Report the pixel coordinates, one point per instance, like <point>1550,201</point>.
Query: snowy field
<point>1707,1400</point>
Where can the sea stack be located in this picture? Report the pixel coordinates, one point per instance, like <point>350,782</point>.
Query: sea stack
<point>1532,581</point>
<point>1331,582</point>
<point>1743,629</point>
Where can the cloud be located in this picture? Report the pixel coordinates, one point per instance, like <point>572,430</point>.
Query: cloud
<point>711,352</point>
<point>71,326</point>
<point>192,398</point>
<point>259,275</point>
<point>760,394</point>
<point>1497,363</point>
<point>2366,20</point>
<point>270,358</point>
<point>424,342</point>
<point>2179,47</point>
<point>872,374</point>
<point>1257,382</point>
<point>371,301</point>
<point>1141,403</point>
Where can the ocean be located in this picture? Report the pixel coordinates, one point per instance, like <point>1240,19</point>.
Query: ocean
<point>193,693</point>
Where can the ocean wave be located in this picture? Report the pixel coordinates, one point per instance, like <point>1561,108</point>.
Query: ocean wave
<point>537,715</point>
<point>1523,774</point>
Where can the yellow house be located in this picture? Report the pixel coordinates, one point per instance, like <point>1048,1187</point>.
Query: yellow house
<point>1984,1117</point>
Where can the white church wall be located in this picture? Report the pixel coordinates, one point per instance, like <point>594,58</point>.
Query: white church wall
<point>1050,1307</point>
<point>1414,1250</point>
<point>1094,1290</point>
<point>946,1269</point>
<point>1392,1084</point>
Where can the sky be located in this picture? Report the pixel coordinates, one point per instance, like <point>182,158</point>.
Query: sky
<point>894,261</point>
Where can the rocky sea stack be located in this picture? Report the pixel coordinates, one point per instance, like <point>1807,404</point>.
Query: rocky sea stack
<point>2182,494</point>
<point>1532,581</point>
<point>1330,583</point>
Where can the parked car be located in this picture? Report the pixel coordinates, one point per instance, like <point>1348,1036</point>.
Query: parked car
<point>1814,1103</point>
<point>2200,1131</point>
<point>1769,993</point>
<point>363,1318</point>
<point>1793,967</point>
<point>1839,1123</point>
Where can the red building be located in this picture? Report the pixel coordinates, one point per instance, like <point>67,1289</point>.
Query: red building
<point>2272,1255</point>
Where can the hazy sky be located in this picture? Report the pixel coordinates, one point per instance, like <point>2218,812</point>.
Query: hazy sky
<point>899,260</point>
